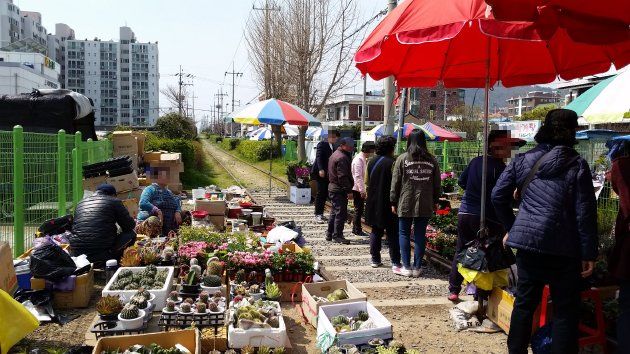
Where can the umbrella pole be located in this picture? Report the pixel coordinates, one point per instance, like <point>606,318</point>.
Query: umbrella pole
<point>270,162</point>
<point>401,119</point>
<point>484,171</point>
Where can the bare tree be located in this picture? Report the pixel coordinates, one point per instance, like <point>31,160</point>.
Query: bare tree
<point>302,52</point>
<point>174,98</point>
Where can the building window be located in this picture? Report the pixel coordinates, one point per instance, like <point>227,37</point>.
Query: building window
<point>432,107</point>
<point>433,93</point>
<point>360,111</point>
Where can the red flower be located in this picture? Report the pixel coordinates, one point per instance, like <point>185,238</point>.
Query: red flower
<point>442,212</point>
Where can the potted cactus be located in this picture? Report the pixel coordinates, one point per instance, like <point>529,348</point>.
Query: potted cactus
<point>213,307</point>
<point>211,283</point>
<point>272,292</point>
<point>191,284</point>
<point>215,267</point>
<point>109,307</point>
<point>239,279</point>
<point>255,292</point>
<point>174,296</point>
<point>131,317</point>
<point>201,308</point>
<point>146,294</point>
<point>140,301</point>
<point>170,308</point>
<point>185,308</point>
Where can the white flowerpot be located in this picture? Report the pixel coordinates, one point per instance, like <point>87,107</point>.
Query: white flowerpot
<point>211,289</point>
<point>148,306</point>
<point>256,296</point>
<point>133,323</point>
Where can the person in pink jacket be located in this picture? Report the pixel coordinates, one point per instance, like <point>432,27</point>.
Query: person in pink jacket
<point>358,190</point>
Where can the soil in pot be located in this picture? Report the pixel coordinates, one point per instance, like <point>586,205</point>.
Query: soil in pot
<point>110,317</point>
<point>191,289</point>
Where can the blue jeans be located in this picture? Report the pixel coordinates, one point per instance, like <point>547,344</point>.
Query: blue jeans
<point>623,322</point>
<point>419,239</point>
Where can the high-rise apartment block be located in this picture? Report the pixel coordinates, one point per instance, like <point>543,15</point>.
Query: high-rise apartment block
<point>121,77</point>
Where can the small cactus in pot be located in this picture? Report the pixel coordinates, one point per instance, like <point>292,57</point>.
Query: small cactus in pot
<point>109,307</point>
<point>185,307</point>
<point>204,296</point>
<point>130,312</point>
<point>201,307</point>
<point>213,307</point>
<point>174,296</point>
<point>170,306</point>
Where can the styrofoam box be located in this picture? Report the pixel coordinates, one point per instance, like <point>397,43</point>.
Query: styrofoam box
<point>257,337</point>
<point>383,328</point>
<point>160,294</point>
<point>300,195</point>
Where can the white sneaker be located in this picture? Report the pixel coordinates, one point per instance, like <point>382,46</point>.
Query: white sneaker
<point>405,272</point>
<point>376,265</point>
<point>396,269</point>
<point>320,219</point>
<point>416,272</point>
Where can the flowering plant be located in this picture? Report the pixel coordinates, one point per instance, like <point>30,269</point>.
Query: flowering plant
<point>193,249</point>
<point>298,173</point>
<point>449,182</point>
<point>250,260</point>
<point>445,220</point>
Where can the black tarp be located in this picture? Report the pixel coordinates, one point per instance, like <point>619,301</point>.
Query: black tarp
<point>45,114</point>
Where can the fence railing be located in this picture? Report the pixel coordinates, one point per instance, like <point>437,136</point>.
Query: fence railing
<point>41,178</point>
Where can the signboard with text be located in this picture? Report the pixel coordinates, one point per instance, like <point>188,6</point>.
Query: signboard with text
<point>525,130</point>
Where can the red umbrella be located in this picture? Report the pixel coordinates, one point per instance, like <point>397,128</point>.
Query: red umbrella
<point>602,21</point>
<point>459,43</point>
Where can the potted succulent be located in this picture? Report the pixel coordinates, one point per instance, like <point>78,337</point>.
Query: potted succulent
<point>131,317</point>
<point>170,308</point>
<point>239,279</point>
<point>174,296</point>
<point>214,267</point>
<point>140,301</point>
<point>146,294</point>
<point>213,307</point>
<point>255,292</point>
<point>109,307</point>
<point>201,308</point>
<point>204,296</point>
<point>185,308</point>
<point>191,284</point>
<point>272,292</point>
<point>211,283</point>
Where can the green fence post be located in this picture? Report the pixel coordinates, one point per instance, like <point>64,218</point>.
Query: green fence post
<point>90,150</point>
<point>61,173</point>
<point>445,156</point>
<point>77,170</point>
<point>18,190</point>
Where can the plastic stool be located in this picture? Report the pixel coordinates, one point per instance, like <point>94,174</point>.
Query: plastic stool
<point>591,335</point>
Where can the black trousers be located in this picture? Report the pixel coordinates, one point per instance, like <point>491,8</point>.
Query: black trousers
<point>322,195</point>
<point>338,214</point>
<point>467,229</point>
<point>122,241</point>
<point>376,240</point>
<point>562,274</point>
<point>359,207</point>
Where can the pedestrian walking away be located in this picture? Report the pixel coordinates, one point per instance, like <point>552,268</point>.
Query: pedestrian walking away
<point>619,262</point>
<point>500,148</point>
<point>319,172</point>
<point>414,194</point>
<point>378,209</point>
<point>339,189</point>
<point>358,190</point>
<point>555,230</point>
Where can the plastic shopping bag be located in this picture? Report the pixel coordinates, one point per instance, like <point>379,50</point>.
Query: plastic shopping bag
<point>21,320</point>
<point>484,280</point>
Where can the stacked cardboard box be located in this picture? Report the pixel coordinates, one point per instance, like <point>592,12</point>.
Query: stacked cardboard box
<point>216,210</point>
<point>129,143</point>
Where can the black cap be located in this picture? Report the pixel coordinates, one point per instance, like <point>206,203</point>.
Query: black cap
<point>367,146</point>
<point>562,118</point>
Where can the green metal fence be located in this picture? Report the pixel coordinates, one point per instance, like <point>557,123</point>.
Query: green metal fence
<point>41,178</point>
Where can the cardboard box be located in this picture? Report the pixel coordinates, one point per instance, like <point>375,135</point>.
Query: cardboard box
<point>153,156</point>
<point>176,188</point>
<point>172,157</point>
<point>322,289</point>
<point>135,193</point>
<point>90,184</point>
<point>77,298</point>
<point>124,183</point>
<point>140,138</point>
<point>211,340</point>
<point>499,311</point>
<point>213,207</point>
<point>288,290</point>
<point>218,221</point>
<point>189,338</point>
<point>8,278</point>
<point>300,195</point>
<point>132,207</point>
<point>144,181</point>
<point>124,143</point>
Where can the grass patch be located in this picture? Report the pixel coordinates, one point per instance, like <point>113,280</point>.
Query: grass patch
<point>279,166</point>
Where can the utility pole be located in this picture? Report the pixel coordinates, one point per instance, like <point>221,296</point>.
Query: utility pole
<point>181,84</point>
<point>445,94</point>
<point>388,119</point>
<point>219,96</point>
<point>364,113</point>
<point>234,75</point>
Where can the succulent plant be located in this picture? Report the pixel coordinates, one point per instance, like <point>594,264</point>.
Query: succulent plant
<point>356,325</point>
<point>174,296</point>
<point>273,292</point>
<point>147,282</point>
<point>125,273</point>
<point>191,278</point>
<point>339,320</point>
<point>362,316</point>
<point>252,276</point>
<point>241,290</point>
<point>274,321</point>
<point>248,349</point>
<point>130,258</point>
<point>132,286</point>
<point>397,345</point>
<point>264,350</point>
<point>212,281</point>
<point>237,299</point>
<point>145,293</point>
<point>201,307</point>
<point>215,268</point>
<point>168,253</point>
<point>339,294</point>
<point>217,294</point>
<point>108,305</point>
<point>239,277</point>
<point>213,307</point>
<point>149,255</point>
<point>204,297</point>
<point>279,350</point>
<point>139,301</point>
<point>170,305</point>
<point>254,289</point>
<point>189,300</point>
<point>185,307</point>
<point>130,312</point>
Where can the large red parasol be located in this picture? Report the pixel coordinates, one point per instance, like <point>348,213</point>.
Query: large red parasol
<point>458,42</point>
<point>589,21</point>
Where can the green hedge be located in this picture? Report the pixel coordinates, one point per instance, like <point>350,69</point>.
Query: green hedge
<point>230,143</point>
<point>255,150</point>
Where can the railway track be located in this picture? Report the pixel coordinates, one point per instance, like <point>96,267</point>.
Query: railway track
<point>409,303</point>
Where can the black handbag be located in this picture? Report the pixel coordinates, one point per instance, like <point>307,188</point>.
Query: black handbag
<point>473,256</point>
<point>497,256</point>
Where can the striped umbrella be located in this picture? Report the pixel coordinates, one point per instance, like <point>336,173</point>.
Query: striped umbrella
<point>605,102</point>
<point>261,134</point>
<point>275,112</point>
<point>290,130</point>
<point>440,134</point>
<point>408,128</point>
<point>316,133</point>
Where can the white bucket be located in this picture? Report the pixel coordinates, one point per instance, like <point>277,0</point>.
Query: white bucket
<point>256,218</point>
<point>246,212</point>
<point>198,193</point>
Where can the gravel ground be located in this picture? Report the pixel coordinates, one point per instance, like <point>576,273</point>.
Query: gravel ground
<point>383,275</point>
<point>406,292</point>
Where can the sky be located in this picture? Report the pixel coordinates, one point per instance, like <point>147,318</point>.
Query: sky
<point>205,37</point>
